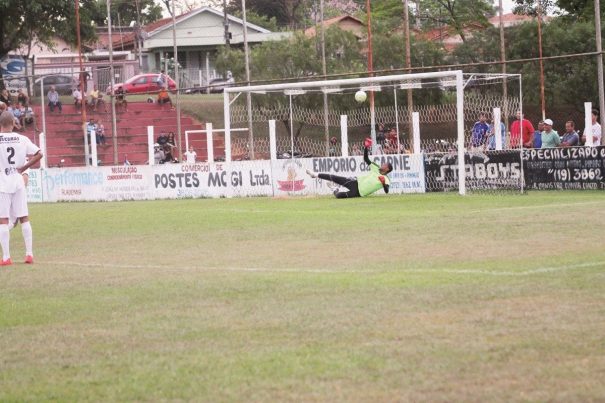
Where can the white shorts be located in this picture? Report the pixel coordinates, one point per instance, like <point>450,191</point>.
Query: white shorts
<point>14,205</point>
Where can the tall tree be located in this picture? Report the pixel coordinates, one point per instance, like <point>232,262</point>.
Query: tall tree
<point>458,15</point>
<point>125,11</point>
<point>291,13</point>
<point>42,20</point>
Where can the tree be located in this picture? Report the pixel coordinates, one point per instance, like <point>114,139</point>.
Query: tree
<point>291,13</point>
<point>42,20</point>
<point>125,11</point>
<point>456,14</point>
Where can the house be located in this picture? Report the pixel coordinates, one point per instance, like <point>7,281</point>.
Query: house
<point>344,22</point>
<point>199,34</point>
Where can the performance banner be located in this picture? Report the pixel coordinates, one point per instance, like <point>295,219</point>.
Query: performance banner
<point>565,168</point>
<point>484,170</point>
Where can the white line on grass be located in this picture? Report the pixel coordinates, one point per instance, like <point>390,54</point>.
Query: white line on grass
<point>539,270</point>
<point>536,206</point>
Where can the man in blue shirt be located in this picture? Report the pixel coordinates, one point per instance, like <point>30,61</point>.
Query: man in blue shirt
<point>571,137</point>
<point>479,132</point>
<point>538,135</point>
<point>491,139</point>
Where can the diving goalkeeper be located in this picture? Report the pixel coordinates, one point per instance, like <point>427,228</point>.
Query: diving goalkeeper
<point>364,185</point>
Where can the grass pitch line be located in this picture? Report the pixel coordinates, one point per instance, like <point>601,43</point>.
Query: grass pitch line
<point>536,206</point>
<point>499,273</point>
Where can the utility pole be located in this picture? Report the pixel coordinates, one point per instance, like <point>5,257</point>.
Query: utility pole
<point>248,95</point>
<point>226,24</point>
<point>371,72</point>
<point>597,18</point>
<point>325,73</point>
<point>503,60</point>
<point>178,86</point>
<point>114,124</point>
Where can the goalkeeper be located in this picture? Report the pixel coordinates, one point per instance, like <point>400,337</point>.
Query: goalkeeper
<point>364,185</point>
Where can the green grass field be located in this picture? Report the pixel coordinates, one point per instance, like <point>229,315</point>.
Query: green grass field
<point>423,298</point>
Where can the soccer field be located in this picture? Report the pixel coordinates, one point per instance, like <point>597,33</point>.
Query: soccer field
<point>430,297</point>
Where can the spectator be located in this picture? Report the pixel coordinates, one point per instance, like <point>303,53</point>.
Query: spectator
<point>479,132</point>
<point>171,144</point>
<point>158,154</point>
<point>78,97</point>
<point>550,138</point>
<point>356,150</point>
<point>571,137</point>
<point>2,107</point>
<point>16,123</point>
<point>538,135</point>
<point>22,98</point>
<point>164,98</point>
<point>162,79</point>
<point>29,115</point>
<point>96,99</point>
<point>595,130</point>
<point>100,134</point>
<point>19,114</point>
<point>162,139</point>
<point>521,129</point>
<point>380,135</point>
<point>491,136</point>
<point>5,97</point>
<point>190,155</point>
<point>333,149</point>
<point>53,99</point>
<point>121,99</point>
<point>90,126</point>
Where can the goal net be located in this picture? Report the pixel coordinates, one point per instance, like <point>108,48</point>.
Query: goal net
<point>456,123</point>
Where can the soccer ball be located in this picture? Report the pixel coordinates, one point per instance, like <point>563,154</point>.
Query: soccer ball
<point>360,96</point>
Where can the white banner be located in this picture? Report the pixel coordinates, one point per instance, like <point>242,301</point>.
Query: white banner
<point>237,179</point>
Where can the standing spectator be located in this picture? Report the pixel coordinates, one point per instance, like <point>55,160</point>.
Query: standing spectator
<point>100,134</point>
<point>521,129</point>
<point>121,99</point>
<point>78,97</point>
<point>380,134</point>
<point>332,149</point>
<point>491,136</point>
<point>550,138</point>
<point>162,79</point>
<point>479,132</point>
<point>53,100</point>
<point>570,138</point>
<point>172,145</point>
<point>190,155</point>
<point>538,135</point>
<point>595,130</point>
<point>90,127</point>
<point>12,187</point>
<point>22,98</point>
<point>356,150</point>
<point>5,97</point>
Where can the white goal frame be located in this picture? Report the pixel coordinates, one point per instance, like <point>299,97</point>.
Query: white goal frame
<point>454,76</point>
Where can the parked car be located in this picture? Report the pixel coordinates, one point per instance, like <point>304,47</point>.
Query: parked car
<point>64,84</point>
<point>143,83</point>
<point>216,85</point>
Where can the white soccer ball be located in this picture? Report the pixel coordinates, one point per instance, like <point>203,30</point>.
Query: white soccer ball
<point>361,96</point>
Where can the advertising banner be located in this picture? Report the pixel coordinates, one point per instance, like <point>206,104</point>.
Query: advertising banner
<point>484,170</point>
<point>565,168</point>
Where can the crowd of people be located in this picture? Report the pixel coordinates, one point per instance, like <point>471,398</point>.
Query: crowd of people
<point>21,110</point>
<point>522,132</point>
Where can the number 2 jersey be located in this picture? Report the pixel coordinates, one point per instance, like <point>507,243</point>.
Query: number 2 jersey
<point>14,149</point>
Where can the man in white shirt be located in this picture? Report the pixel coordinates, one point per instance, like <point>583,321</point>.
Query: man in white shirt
<point>77,97</point>
<point>14,149</point>
<point>595,129</point>
<point>190,155</point>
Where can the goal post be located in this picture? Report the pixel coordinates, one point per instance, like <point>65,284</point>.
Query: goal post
<point>439,121</point>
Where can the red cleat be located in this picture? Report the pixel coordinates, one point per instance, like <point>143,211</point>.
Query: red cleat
<point>6,262</point>
<point>29,259</point>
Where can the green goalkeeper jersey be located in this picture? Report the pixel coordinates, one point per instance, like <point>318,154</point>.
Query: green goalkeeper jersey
<point>369,182</point>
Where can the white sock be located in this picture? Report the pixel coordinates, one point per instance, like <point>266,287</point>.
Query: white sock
<point>11,223</point>
<point>5,241</point>
<point>28,237</point>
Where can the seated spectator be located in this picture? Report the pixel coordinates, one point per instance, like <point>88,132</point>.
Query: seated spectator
<point>5,97</point>
<point>570,138</point>
<point>164,98</point>
<point>17,123</point>
<point>78,97</point>
<point>121,99</point>
<point>22,98</point>
<point>158,154</point>
<point>538,135</point>
<point>53,100</point>
<point>550,138</point>
<point>29,115</point>
<point>162,139</point>
<point>595,130</point>
<point>96,99</point>
<point>19,113</point>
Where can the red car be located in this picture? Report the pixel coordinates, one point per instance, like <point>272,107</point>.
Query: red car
<point>143,83</point>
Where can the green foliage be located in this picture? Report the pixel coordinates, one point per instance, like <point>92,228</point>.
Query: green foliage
<point>264,21</point>
<point>22,21</point>
<point>456,14</point>
<point>125,11</point>
<point>289,13</point>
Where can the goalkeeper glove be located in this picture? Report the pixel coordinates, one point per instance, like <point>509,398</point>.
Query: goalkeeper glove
<point>381,179</point>
<point>367,143</point>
